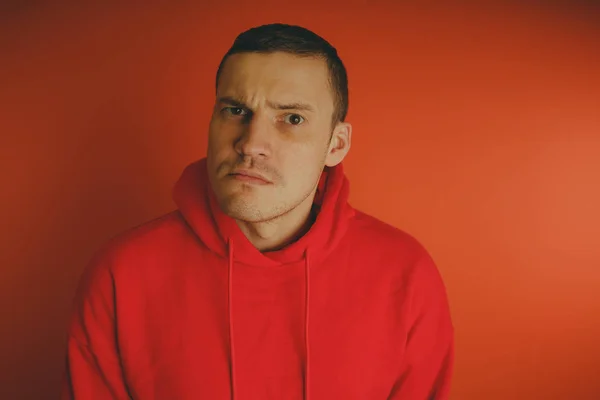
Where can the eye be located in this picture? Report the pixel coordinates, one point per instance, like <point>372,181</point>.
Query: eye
<point>294,119</point>
<point>235,111</point>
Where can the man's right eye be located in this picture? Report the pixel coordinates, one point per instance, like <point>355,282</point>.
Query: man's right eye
<point>237,111</point>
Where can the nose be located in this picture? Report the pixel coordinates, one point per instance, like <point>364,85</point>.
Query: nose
<point>255,139</point>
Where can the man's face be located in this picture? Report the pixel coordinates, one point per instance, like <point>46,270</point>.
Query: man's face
<point>272,119</point>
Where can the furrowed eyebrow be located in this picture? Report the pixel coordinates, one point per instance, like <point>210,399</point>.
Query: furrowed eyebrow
<point>276,106</point>
<point>291,106</point>
<point>231,101</point>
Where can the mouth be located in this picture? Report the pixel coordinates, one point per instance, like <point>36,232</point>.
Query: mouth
<point>250,177</point>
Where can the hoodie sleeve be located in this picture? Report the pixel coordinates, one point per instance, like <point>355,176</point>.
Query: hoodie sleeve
<point>427,364</point>
<point>93,368</point>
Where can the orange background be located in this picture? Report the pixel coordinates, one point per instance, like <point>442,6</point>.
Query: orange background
<point>475,129</point>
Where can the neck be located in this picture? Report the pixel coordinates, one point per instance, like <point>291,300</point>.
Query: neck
<point>281,231</point>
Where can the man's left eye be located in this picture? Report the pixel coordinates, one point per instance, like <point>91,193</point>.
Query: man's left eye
<point>294,119</point>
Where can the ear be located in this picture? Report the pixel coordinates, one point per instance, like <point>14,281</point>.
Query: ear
<point>341,139</point>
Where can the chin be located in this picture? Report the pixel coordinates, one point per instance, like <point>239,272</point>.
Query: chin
<point>242,210</point>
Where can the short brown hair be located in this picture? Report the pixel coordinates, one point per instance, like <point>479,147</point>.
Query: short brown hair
<point>299,41</point>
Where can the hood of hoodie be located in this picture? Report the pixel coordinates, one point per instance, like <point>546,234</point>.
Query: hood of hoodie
<point>196,200</point>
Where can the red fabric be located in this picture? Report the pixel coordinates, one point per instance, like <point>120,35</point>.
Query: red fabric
<point>184,307</point>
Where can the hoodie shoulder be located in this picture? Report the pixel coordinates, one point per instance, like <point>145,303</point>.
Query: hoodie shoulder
<point>393,253</point>
<point>141,243</point>
<point>388,248</point>
<point>150,235</point>
<point>380,235</point>
<point>120,265</point>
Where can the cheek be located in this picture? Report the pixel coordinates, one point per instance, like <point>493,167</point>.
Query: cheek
<point>220,138</point>
<point>303,168</point>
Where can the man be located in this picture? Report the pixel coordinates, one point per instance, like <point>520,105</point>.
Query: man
<point>264,283</point>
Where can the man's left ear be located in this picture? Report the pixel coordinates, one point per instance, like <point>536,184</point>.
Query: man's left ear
<point>341,140</point>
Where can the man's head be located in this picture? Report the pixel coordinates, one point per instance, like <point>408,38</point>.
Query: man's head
<point>281,102</point>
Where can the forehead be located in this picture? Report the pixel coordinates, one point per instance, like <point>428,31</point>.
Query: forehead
<point>277,76</point>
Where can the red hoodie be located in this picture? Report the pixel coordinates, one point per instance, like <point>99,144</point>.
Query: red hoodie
<point>185,307</point>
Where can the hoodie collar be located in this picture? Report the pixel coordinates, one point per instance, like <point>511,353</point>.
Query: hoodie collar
<point>197,203</point>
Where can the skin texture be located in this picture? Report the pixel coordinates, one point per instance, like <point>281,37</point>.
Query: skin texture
<point>272,118</point>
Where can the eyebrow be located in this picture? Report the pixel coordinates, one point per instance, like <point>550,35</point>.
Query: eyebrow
<point>276,106</point>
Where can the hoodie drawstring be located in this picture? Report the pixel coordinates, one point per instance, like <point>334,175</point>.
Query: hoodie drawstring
<point>230,310</point>
<point>306,323</point>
